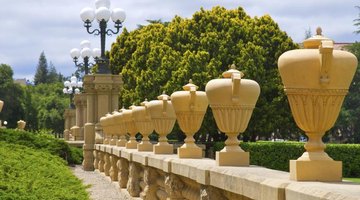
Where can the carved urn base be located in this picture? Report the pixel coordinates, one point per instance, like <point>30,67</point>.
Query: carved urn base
<point>145,146</point>
<point>232,158</point>
<point>132,144</point>
<point>163,148</point>
<point>315,170</point>
<point>122,142</point>
<point>192,151</point>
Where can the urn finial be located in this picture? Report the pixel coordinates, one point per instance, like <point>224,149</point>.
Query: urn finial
<point>318,31</point>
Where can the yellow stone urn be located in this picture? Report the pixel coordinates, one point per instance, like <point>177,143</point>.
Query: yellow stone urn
<point>129,123</point>
<point>1,105</point>
<point>316,80</point>
<point>21,124</point>
<point>120,129</point>
<point>163,117</point>
<point>105,124</point>
<point>232,100</point>
<point>190,107</point>
<point>144,124</point>
<point>112,129</point>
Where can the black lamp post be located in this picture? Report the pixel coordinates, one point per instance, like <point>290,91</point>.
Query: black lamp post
<point>85,52</point>
<point>103,14</point>
<point>72,87</point>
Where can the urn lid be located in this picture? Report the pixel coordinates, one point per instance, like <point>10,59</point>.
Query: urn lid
<point>163,96</point>
<point>144,102</point>
<point>190,85</point>
<point>231,71</point>
<point>315,41</point>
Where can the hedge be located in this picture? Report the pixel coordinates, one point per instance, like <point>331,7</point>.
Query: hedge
<point>28,174</point>
<point>276,155</point>
<point>45,142</point>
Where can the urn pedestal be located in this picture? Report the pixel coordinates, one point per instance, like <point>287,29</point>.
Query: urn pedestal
<point>190,107</point>
<point>129,123</point>
<point>163,116</point>
<point>232,100</point>
<point>144,124</point>
<point>316,80</point>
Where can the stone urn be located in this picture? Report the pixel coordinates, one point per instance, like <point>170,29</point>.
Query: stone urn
<point>232,100</point>
<point>316,80</point>
<point>190,107</point>
<point>112,129</point>
<point>105,124</point>
<point>144,124</point>
<point>163,117</point>
<point>21,124</point>
<point>1,105</point>
<point>129,123</point>
<point>120,129</point>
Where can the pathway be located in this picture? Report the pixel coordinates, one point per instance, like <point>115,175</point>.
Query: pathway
<point>101,186</point>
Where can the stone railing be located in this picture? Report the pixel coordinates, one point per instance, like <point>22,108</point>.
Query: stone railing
<point>158,176</point>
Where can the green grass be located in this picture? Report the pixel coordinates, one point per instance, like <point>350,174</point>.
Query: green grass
<point>27,173</point>
<point>355,180</point>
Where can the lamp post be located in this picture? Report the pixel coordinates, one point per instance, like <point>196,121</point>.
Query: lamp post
<point>85,52</point>
<point>102,14</point>
<point>72,87</point>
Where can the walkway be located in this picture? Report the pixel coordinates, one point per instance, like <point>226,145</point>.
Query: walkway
<point>101,186</point>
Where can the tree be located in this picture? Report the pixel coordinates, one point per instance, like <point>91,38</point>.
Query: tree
<point>357,21</point>
<point>53,76</point>
<point>42,70</point>
<point>11,93</point>
<point>162,57</point>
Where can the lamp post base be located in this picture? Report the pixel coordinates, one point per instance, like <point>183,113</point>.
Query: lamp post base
<point>316,170</point>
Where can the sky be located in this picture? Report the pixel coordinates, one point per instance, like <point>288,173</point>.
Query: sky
<point>29,27</point>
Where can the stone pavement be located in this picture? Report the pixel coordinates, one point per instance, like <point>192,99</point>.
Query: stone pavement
<point>101,186</point>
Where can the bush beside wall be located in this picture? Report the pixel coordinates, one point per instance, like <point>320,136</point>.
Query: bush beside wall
<point>42,141</point>
<point>28,173</point>
<point>276,155</point>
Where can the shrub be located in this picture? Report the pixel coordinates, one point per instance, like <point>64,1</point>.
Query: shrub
<point>276,155</point>
<point>27,173</point>
<point>42,141</point>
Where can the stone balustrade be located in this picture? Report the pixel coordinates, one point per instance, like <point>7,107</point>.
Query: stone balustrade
<point>165,176</point>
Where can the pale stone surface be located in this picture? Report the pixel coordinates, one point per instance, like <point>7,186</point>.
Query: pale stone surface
<point>101,186</point>
<point>165,175</point>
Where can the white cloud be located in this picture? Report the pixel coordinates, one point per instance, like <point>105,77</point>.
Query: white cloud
<point>53,26</point>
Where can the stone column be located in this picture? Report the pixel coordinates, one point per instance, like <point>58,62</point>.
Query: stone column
<point>102,92</point>
<point>69,122</point>
<point>80,104</point>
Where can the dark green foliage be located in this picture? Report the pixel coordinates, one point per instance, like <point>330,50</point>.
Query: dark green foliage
<point>276,155</point>
<point>45,73</point>
<point>49,103</point>
<point>347,127</point>
<point>28,174</point>
<point>11,94</point>
<point>44,142</point>
<point>163,57</point>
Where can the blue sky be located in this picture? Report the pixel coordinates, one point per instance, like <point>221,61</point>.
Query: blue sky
<point>55,27</point>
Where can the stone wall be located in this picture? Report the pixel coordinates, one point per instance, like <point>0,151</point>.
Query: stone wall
<point>152,177</point>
